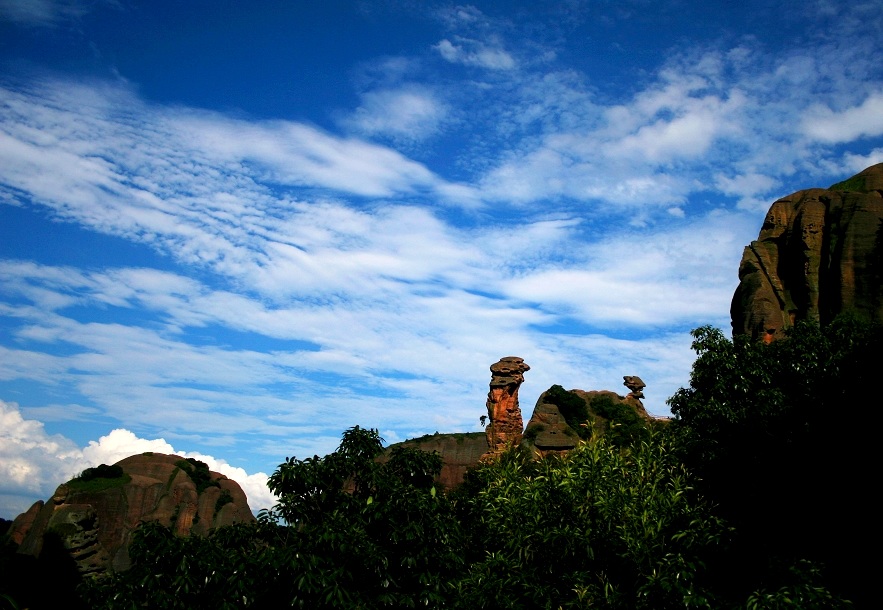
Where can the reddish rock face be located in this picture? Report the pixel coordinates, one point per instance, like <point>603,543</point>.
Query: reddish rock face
<point>819,253</point>
<point>459,452</point>
<point>506,425</point>
<point>97,523</point>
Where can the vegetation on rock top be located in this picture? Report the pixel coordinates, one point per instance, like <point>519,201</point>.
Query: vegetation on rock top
<point>198,472</point>
<point>99,478</point>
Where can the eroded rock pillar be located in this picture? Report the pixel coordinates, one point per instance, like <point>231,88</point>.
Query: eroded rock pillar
<point>506,425</point>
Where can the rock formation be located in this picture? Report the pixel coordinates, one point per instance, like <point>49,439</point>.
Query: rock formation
<point>636,385</point>
<point>96,519</point>
<point>556,424</point>
<point>506,424</point>
<point>459,452</point>
<point>548,431</point>
<point>819,253</point>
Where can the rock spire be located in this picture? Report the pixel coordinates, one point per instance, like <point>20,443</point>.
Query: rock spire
<point>506,425</point>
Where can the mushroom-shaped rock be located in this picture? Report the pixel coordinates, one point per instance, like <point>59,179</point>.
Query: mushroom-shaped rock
<point>635,384</point>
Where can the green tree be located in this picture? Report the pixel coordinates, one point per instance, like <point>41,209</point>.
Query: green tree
<point>600,527</point>
<point>781,437</point>
<point>349,531</point>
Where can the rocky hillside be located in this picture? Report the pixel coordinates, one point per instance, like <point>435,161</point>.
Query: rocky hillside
<point>460,452</point>
<point>96,513</point>
<point>819,253</point>
<point>560,418</point>
<point>554,426</point>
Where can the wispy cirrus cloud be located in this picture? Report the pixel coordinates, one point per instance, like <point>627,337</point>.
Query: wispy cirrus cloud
<point>45,12</point>
<point>303,280</point>
<point>475,53</point>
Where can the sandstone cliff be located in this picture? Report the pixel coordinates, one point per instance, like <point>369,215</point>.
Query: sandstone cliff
<point>819,253</point>
<point>95,518</point>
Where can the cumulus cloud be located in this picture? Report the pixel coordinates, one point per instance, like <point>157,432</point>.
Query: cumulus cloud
<point>33,463</point>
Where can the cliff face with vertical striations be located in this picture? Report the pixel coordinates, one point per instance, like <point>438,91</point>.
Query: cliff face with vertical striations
<point>95,519</point>
<point>819,253</point>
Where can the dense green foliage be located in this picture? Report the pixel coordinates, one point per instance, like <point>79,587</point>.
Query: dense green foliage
<point>602,527</point>
<point>621,422</point>
<point>102,471</point>
<point>781,436</point>
<point>99,478</point>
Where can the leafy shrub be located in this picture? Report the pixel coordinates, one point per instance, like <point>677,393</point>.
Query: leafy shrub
<point>198,472</point>
<point>600,527</point>
<point>782,439</point>
<point>622,422</point>
<point>533,431</point>
<point>99,478</point>
<point>224,499</point>
<point>102,471</point>
<point>572,408</point>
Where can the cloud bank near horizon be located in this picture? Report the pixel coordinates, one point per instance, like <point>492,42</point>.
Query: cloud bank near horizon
<point>34,463</point>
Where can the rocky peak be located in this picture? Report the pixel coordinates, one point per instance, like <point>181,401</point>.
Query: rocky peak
<point>95,517</point>
<point>818,253</point>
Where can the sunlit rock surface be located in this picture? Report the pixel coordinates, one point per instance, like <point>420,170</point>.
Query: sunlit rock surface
<point>819,253</point>
<point>96,521</point>
<point>506,424</point>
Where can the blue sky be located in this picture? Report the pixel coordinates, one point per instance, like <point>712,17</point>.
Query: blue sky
<point>233,230</point>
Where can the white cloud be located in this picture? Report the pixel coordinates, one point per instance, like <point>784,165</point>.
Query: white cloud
<point>314,281</point>
<point>657,279</point>
<point>31,459</point>
<point>856,163</point>
<point>475,53</point>
<point>406,114</point>
<point>864,120</point>
<point>43,12</point>
<point>33,463</point>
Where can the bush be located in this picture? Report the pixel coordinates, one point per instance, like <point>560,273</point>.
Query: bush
<point>102,471</point>
<point>572,408</point>
<point>198,472</point>
<point>781,436</point>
